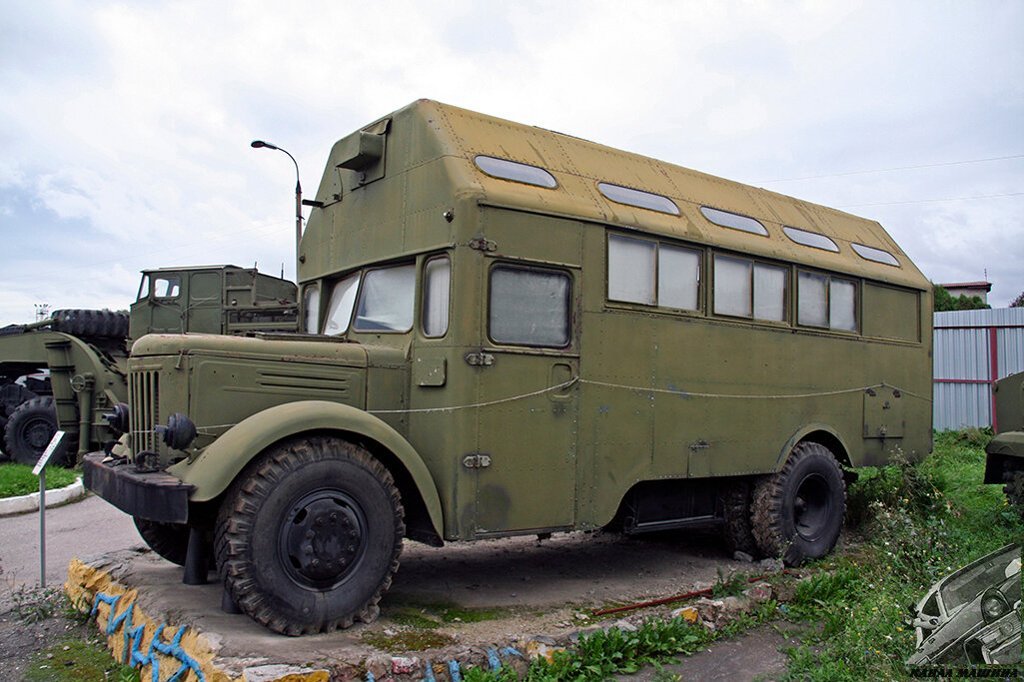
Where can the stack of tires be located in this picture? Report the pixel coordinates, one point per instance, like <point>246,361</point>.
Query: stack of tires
<point>90,323</point>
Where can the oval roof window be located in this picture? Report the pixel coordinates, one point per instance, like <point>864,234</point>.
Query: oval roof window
<point>733,221</point>
<point>812,239</point>
<point>515,171</point>
<point>638,198</point>
<point>877,255</point>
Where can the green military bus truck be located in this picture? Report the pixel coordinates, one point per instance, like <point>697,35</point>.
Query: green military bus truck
<point>1004,462</point>
<point>68,371</point>
<point>512,331</point>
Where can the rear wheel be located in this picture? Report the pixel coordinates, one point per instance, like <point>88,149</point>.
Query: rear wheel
<point>739,535</point>
<point>309,536</point>
<point>169,540</point>
<point>798,512</point>
<point>29,431</point>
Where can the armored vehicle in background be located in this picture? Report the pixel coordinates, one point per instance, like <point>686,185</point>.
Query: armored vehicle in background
<point>69,371</point>
<point>509,331</point>
<point>1004,462</point>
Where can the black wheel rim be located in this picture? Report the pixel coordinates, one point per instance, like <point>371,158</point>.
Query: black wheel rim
<point>36,434</point>
<point>812,507</point>
<point>322,539</point>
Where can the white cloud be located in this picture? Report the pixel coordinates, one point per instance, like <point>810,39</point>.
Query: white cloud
<point>127,125</point>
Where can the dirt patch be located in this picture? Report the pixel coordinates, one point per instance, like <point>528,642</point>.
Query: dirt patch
<point>26,630</point>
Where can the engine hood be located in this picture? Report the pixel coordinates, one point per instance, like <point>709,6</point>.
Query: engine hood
<point>292,348</point>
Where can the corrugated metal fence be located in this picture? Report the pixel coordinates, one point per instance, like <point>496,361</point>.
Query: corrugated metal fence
<point>974,348</point>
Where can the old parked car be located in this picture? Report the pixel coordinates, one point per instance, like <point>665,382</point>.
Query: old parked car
<point>973,616</point>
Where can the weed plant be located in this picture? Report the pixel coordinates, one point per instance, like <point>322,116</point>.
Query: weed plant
<point>605,653</point>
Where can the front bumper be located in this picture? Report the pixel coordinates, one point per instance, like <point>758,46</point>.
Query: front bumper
<point>156,496</point>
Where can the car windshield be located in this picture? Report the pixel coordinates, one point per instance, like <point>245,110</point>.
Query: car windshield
<point>963,588</point>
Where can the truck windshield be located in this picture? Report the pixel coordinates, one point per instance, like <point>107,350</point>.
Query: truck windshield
<point>386,300</point>
<point>383,299</point>
<point>339,310</point>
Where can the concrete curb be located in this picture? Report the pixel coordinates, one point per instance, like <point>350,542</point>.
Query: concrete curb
<point>21,504</point>
<point>158,648</point>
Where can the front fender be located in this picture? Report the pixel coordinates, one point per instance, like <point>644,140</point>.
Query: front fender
<point>218,465</point>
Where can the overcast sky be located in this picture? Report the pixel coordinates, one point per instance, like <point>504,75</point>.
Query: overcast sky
<point>125,126</point>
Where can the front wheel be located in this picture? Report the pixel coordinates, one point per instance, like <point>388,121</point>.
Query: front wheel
<point>798,512</point>
<point>309,536</point>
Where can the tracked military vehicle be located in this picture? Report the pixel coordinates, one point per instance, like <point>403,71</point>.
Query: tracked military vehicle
<point>510,331</point>
<point>1004,462</point>
<point>69,371</point>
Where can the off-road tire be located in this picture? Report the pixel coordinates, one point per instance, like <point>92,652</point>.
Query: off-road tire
<point>91,323</point>
<point>309,535</point>
<point>1014,490</point>
<point>738,530</point>
<point>30,429</point>
<point>169,540</point>
<point>797,513</point>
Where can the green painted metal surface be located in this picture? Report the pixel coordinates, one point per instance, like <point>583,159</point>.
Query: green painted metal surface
<point>533,401</point>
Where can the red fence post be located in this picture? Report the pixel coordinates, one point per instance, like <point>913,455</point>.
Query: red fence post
<point>993,374</point>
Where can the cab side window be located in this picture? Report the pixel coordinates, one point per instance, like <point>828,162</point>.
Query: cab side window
<point>166,287</point>
<point>529,306</point>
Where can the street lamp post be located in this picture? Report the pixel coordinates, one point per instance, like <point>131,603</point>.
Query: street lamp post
<point>260,144</point>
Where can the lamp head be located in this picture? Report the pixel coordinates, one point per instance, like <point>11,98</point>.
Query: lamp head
<point>259,144</point>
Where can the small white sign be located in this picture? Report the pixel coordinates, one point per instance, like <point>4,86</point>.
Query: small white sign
<point>48,452</point>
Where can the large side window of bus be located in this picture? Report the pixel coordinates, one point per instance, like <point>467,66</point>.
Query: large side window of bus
<point>529,306</point>
<point>746,288</point>
<point>826,301</point>
<point>437,277</point>
<point>652,273</point>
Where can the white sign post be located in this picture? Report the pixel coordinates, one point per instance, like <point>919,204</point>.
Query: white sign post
<point>40,471</point>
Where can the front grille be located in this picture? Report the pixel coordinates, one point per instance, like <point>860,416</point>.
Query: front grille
<point>144,394</point>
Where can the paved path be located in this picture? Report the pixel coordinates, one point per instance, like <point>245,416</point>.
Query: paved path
<point>85,528</point>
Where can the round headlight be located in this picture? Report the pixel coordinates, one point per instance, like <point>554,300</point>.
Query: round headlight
<point>994,605</point>
<point>118,419</point>
<point>179,432</point>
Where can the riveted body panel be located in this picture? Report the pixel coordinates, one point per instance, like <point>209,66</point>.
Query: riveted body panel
<point>474,309</point>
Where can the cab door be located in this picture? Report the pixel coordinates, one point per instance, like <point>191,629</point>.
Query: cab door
<point>527,401</point>
<point>165,303</point>
<point>205,294</point>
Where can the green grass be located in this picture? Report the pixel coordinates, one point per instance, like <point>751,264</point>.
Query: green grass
<point>18,479</point>
<point>435,613</point>
<point>75,660</point>
<point>911,526</point>
<point>84,657</point>
<point>407,640</point>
